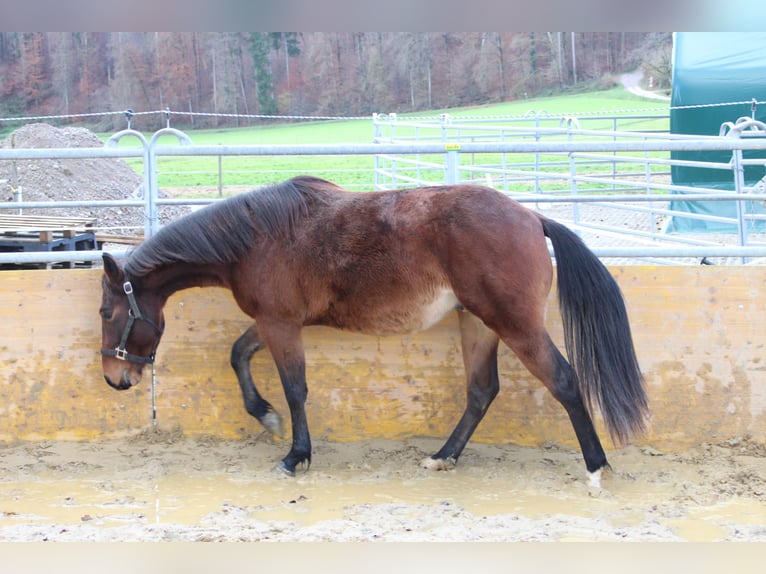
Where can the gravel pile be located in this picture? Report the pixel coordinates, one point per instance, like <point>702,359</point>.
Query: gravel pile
<point>90,179</point>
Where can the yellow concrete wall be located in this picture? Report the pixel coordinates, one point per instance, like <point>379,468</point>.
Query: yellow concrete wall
<point>699,334</point>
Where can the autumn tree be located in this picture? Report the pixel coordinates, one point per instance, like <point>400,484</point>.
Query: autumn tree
<point>213,78</point>
<point>35,70</point>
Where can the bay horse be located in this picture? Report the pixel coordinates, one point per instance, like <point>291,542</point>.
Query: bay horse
<point>307,252</point>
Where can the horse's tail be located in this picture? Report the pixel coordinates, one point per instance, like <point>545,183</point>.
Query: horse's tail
<point>597,335</point>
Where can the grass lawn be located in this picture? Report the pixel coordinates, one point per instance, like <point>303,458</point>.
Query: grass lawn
<point>201,176</point>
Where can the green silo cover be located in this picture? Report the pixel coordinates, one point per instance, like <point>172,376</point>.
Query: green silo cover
<point>714,68</point>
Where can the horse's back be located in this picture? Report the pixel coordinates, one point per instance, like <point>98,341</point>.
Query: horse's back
<point>367,264</point>
<point>397,261</point>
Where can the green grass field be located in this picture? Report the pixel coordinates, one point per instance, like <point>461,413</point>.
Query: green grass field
<point>204,176</point>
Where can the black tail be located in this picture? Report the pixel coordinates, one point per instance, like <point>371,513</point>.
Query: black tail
<point>597,335</point>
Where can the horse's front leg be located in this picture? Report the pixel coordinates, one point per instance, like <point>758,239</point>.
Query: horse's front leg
<point>287,350</point>
<point>241,352</point>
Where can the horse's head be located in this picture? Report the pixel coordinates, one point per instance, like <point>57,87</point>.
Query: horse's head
<point>131,327</point>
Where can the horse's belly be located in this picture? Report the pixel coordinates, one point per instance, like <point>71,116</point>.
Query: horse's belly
<point>412,317</point>
<point>389,315</point>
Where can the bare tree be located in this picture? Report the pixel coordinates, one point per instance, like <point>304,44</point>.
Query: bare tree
<point>556,44</point>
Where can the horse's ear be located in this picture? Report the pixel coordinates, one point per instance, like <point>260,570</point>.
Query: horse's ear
<point>112,270</point>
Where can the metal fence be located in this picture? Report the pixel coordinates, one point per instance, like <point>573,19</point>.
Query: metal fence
<point>514,172</point>
<point>599,181</point>
<point>608,177</point>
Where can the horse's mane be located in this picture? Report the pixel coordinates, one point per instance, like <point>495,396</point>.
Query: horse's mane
<point>223,232</point>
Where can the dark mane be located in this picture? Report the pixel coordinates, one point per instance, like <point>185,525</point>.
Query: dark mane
<point>224,231</point>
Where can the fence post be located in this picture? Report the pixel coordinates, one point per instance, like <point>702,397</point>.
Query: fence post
<point>376,157</point>
<point>452,163</point>
<point>573,186</point>
<point>113,141</point>
<point>571,122</point>
<point>220,176</point>
<point>735,130</point>
<point>152,194</point>
<point>739,187</point>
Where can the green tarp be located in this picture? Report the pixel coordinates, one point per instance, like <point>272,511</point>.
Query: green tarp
<point>714,68</point>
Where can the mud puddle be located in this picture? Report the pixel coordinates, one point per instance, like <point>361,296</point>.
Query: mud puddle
<point>166,487</point>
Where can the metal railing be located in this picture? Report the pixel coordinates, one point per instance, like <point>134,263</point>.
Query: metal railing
<point>566,170</point>
<point>613,186</point>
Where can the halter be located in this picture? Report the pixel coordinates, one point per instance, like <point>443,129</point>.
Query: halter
<point>134,313</point>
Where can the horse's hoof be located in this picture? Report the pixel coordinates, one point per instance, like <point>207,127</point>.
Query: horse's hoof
<point>438,463</point>
<point>272,422</point>
<point>594,478</point>
<point>283,470</point>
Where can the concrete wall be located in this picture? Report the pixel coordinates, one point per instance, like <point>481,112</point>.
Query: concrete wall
<point>699,334</point>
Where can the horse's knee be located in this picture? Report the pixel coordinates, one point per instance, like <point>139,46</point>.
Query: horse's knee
<point>235,359</point>
<point>243,349</point>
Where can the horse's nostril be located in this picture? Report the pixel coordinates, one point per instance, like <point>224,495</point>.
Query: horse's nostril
<point>126,382</point>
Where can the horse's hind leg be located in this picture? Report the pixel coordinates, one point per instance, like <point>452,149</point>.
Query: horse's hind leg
<point>479,345</point>
<point>241,352</point>
<point>538,353</point>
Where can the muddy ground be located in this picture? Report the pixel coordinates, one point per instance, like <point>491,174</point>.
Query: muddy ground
<point>161,486</point>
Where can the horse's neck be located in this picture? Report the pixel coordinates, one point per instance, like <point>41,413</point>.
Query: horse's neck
<point>168,279</point>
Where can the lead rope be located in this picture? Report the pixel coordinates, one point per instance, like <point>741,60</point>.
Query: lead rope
<point>154,396</point>
<point>154,426</point>
<point>128,288</point>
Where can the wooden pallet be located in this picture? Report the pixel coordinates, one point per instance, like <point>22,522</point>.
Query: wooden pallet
<point>45,226</point>
<point>102,238</point>
<point>25,233</point>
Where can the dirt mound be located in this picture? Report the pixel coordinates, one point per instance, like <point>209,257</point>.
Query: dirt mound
<point>88,179</point>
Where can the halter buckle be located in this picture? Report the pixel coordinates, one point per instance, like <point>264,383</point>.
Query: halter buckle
<point>121,354</point>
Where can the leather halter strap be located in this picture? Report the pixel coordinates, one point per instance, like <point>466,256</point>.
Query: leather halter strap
<point>134,314</point>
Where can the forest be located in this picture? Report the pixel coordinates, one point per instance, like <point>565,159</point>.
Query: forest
<point>202,75</point>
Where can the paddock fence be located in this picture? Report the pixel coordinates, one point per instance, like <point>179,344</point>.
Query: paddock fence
<point>697,328</point>
<point>611,184</point>
<point>697,332</point>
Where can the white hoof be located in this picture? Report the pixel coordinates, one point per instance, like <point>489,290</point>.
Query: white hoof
<point>594,478</point>
<point>438,463</point>
<point>272,422</point>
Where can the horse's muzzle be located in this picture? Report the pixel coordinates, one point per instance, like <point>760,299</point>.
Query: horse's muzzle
<point>123,385</point>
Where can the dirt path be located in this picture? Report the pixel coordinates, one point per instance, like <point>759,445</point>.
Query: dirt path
<point>632,83</point>
<point>163,487</point>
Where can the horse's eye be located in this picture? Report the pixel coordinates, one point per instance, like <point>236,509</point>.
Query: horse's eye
<point>106,314</point>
